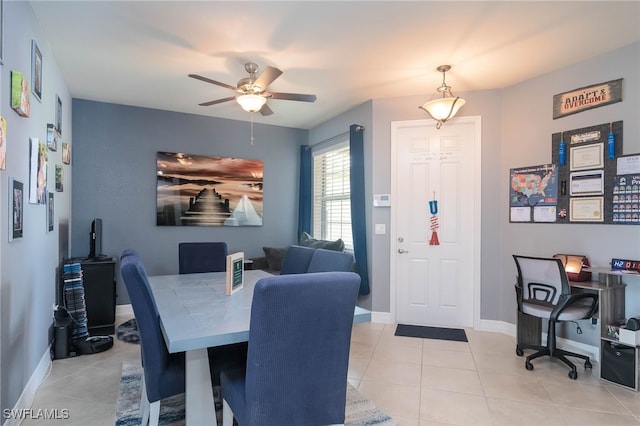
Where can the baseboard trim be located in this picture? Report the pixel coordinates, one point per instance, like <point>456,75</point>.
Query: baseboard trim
<point>124,310</point>
<point>510,330</point>
<point>25,401</point>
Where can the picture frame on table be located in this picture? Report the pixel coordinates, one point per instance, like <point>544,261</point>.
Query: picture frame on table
<point>36,71</point>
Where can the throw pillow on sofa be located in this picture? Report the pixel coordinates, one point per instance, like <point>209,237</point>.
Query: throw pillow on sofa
<point>307,240</point>
<point>274,257</point>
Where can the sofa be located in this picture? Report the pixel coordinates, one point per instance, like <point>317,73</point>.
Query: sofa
<point>303,257</point>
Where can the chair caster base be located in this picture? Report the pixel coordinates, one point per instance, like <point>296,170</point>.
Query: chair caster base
<point>573,375</point>
<point>587,364</point>
<point>519,351</point>
<point>528,366</point>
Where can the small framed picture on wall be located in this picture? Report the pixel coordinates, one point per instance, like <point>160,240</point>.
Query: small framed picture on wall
<point>36,70</point>
<point>16,202</point>
<point>59,115</point>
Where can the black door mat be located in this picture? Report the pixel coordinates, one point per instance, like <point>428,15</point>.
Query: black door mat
<point>455,334</point>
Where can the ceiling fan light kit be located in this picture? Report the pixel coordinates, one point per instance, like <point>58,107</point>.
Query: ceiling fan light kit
<point>443,108</point>
<point>251,102</point>
<point>252,90</point>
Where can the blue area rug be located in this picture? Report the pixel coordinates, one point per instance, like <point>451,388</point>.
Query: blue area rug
<point>359,410</point>
<point>441,333</point>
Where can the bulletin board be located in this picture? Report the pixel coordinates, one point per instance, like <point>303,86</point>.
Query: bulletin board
<point>587,172</point>
<point>587,181</point>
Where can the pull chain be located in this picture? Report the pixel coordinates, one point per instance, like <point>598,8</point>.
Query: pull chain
<point>252,129</point>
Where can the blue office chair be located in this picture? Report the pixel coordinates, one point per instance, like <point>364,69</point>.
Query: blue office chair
<point>200,257</point>
<point>299,339</point>
<point>296,260</point>
<point>163,374</point>
<point>329,260</point>
<point>543,291</point>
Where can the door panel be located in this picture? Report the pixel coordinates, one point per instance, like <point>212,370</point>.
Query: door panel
<point>434,283</point>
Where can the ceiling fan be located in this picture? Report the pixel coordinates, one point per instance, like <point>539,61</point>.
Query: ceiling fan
<point>253,90</point>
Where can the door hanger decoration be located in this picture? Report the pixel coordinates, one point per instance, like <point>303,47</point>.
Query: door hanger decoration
<point>434,225</point>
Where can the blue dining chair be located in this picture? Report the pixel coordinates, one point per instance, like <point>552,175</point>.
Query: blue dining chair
<point>299,340</point>
<point>163,372</point>
<point>328,260</point>
<point>296,260</point>
<point>197,257</point>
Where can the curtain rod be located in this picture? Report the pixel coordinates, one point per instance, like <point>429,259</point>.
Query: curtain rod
<point>331,139</point>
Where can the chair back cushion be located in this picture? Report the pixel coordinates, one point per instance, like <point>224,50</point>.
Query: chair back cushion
<point>298,354</point>
<point>542,280</point>
<point>329,261</point>
<point>296,260</point>
<point>155,357</point>
<point>200,257</point>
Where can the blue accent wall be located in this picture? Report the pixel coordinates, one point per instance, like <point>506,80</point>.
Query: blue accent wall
<point>114,170</point>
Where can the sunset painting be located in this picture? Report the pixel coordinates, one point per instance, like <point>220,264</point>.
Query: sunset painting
<point>196,190</point>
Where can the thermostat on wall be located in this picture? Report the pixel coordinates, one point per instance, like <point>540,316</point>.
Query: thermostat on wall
<point>381,200</point>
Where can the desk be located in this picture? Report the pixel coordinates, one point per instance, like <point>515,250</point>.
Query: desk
<point>611,307</point>
<point>196,314</point>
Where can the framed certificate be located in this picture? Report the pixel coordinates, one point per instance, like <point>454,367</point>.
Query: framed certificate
<point>587,157</point>
<point>589,182</point>
<point>586,209</point>
<point>235,272</point>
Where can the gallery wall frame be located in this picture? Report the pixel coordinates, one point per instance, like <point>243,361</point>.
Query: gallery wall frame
<point>36,70</point>
<point>198,190</point>
<point>50,212</point>
<point>1,32</point>
<point>16,209</point>
<point>59,115</point>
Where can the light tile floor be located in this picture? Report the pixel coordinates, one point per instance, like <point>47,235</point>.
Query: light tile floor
<point>418,382</point>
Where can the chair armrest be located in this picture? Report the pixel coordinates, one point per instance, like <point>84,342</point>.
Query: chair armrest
<point>568,300</point>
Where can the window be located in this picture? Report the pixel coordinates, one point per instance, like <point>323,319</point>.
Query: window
<point>332,195</point>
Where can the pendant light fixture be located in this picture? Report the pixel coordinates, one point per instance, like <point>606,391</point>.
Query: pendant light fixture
<point>443,108</point>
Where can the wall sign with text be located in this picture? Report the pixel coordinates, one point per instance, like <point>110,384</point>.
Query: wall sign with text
<point>588,97</point>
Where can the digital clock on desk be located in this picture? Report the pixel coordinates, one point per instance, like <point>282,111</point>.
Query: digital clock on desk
<point>625,265</point>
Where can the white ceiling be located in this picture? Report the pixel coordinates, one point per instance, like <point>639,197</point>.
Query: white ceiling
<point>140,52</point>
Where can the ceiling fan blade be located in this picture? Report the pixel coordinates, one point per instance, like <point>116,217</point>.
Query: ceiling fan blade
<point>265,110</point>
<point>208,80</point>
<point>267,76</point>
<point>218,101</point>
<point>293,97</point>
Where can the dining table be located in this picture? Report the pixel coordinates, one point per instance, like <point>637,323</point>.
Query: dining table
<point>195,314</point>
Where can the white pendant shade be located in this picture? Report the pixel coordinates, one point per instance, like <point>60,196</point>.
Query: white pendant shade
<point>251,103</point>
<point>442,109</point>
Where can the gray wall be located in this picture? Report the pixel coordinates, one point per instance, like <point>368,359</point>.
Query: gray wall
<point>527,126</point>
<point>29,265</point>
<point>517,126</point>
<point>114,160</point>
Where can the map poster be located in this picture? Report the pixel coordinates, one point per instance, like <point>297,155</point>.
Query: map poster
<point>534,186</point>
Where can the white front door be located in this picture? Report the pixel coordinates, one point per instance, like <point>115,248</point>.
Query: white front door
<point>436,221</point>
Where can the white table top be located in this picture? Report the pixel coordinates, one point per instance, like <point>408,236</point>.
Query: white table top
<point>195,313</point>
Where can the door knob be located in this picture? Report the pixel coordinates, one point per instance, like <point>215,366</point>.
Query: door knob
<point>401,251</point>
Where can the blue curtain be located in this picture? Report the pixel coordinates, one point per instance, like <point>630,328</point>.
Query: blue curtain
<point>304,197</point>
<point>358,218</point>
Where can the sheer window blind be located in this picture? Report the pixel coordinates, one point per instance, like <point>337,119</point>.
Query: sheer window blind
<point>332,195</point>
